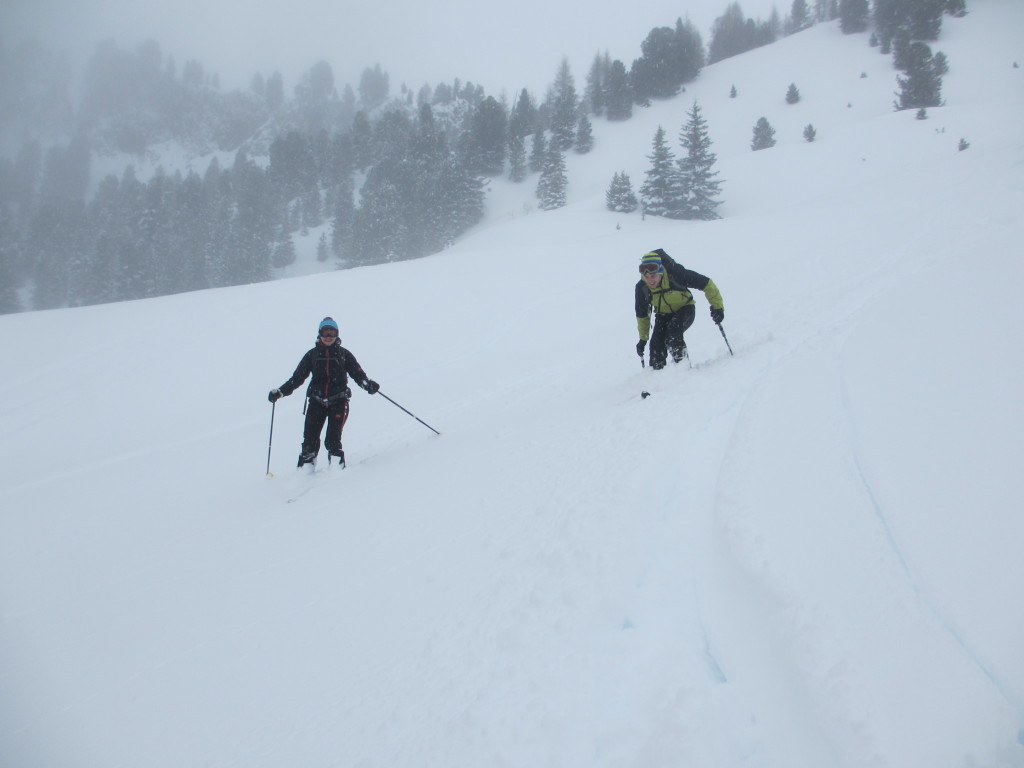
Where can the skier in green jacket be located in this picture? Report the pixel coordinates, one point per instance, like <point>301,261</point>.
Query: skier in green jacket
<point>664,289</point>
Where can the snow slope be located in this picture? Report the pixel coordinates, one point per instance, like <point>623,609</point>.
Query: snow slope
<point>805,554</point>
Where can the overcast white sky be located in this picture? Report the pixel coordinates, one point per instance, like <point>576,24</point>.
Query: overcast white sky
<point>500,46</point>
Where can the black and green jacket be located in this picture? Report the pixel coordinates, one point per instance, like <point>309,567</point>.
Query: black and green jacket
<point>672,295</point>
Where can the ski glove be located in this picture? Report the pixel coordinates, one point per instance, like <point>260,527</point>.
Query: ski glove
<point>370,386</point>
<point>718,315</point>
<point>275,395</point>
<point>640,347</point>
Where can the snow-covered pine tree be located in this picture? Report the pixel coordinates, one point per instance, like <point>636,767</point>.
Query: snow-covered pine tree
<point>344,213</point>
<point>595,92</point>
<point>538,150</point>
<point>764,135</point>
<point>854,16</point>
<point>517,167</point>
<point>799,16</point>
<point>697,182</point>
<point>584,136</point>
<point>792,94</point>
<point>563,103</point>
<point>284,249</point>
<point>618,93</point>
<point>922,84</point>
<point>522,121</point>
<point>484,148</point>
<point>660,187</point>
<point>620,196</point>
<point>553,181</point>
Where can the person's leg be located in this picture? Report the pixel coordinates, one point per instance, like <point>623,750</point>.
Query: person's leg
<point>316,414</point>
<point>656,345</point>
<point>336,419</point>
<point>678,324</point>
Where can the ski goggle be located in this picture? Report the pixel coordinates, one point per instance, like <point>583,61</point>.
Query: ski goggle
<point>325,334</point>
<point>649,269</point>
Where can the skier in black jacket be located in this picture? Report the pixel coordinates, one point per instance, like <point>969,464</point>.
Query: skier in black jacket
<point>328,394</point>
<point>664,289</point>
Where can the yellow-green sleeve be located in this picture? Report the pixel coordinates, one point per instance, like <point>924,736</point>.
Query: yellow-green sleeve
<point>643,324</point>
<point>713,295</point>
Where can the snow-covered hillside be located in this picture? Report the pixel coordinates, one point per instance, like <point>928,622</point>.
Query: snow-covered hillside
<point>805,554</point>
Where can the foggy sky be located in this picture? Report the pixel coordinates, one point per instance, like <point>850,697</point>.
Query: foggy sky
<point>502,47</point>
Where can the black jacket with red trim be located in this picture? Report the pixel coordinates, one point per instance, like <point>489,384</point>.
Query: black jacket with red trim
<point>330,368</point>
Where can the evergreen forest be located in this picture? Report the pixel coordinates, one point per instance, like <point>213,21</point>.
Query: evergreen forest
<point>393,173</point>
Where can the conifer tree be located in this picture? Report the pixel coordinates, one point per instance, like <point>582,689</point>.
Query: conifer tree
<point>690,54</point>
<point>670,58</point>
<point>563,103</point>
<point>553,182</point>
<point>584,136</point>
<point>522,120</point>
<point>799,16</point>
<point>362,141</point>
<point>732,34</point>
<point>924,18</point>
<point>792,94</point>
<point>809,133</point>
<point>517,167</point>
<point>596,90</point>
<point>619,95</point>
<point>764,135</point>
<point>538,150</point>
<point>462,205</point>
<point>284,249</point>
<point>696,178</point>
<point>373,87</point>
<point>922,85</point>
<point>620,196</point>
<point>343,220</point>
<point>853,16</point>
<point>191,224</point>
<point>9,301</point>
<point>312,208</point>
<point>658,193</point>
<point>381,229</point>
<point>485,142</point>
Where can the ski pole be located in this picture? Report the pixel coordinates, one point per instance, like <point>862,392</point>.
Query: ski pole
<point>421,421</point>
<point>273,407</point>
<point>725,337</point>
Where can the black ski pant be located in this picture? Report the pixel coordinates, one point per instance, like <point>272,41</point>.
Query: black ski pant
<point>667,336</point>
<point>335,415</point>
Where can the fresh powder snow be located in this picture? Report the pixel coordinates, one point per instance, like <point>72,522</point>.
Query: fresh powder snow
<point>806,554</point>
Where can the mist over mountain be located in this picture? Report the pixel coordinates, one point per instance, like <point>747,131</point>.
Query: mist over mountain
<point>151,179</point>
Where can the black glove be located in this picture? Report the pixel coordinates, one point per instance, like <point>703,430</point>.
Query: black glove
<point>275,395</point>
<point>370,386</point>
<point>718,315</point>
<point>640,347</point>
